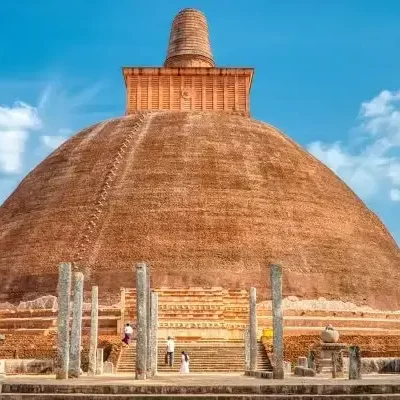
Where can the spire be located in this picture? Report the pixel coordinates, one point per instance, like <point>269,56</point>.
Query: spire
<point>189,44</point>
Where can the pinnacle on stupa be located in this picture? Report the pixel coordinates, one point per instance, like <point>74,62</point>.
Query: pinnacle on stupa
<point>189,43</point>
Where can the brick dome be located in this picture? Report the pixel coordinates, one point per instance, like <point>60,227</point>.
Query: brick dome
<point>208,199</point>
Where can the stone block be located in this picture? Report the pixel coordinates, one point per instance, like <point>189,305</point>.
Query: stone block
<point>302,362</point>
<point>390,366</point>
<point>29,366</point>
<point>354,362</point>
<point>108,367</point>
<point>260,374</point>
<point>302,371</point>
<point>99,361</point>
<point>287,367</point>
<point>380,365</point>
<point>265,374</point>
<point>2,367</point>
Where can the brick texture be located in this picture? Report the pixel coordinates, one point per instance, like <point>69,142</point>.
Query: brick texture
<point>208,199</point>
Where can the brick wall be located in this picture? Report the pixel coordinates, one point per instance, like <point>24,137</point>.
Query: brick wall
<point>44,347</point>
<point>371,345</point>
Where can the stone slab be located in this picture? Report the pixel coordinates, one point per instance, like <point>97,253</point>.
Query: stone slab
<point>260,374</point>
<point>194,397</point>
<point>302,362</point>
<point>380,365</point>
<point>2,368</point>
<point>108,367</point>
<point>29,366</point>
<point>303,371</point>
<point>200,384</point>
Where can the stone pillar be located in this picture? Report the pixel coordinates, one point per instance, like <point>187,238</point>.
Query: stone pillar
<point>148,322</point>
<point>64,289</point>
<point>311,359</point>
<point>2,368</point>
<point>153,334</point>
<point>354,362</point>
<point>99,361</point>
<point>121,322</point>
<point>93,331</point>
<point>141,321</point>
<point>277,319</point>
<point>335,364</point>
<point>76,330</point>
<point>246,338</point>
<point>253,329</point>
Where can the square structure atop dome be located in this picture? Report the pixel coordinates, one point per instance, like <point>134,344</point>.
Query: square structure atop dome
<point>188,89</point>
<point>189,80</point>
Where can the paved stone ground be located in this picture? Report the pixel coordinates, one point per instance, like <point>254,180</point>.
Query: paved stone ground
<point>205,379</point>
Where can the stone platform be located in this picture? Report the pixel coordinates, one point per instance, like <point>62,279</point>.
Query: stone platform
<point>200,386</point>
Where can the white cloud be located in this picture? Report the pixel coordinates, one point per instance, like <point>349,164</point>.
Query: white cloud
<point>380,105</point>
<point>52,142</point>
<point>56,115</point>
<point>15,124</point>
<point>371,163</point>
<point>394,194</point>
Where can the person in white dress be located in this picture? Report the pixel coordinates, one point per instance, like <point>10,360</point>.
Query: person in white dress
<point>184,363</point>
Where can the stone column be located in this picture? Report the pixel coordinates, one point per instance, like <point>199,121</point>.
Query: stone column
<point>141,321</point>
<point>94,321</point>
<point>99,361</point>
<point>354,362</point>
<point>311,359</point>
<point>335,364</point>
<point>64,289</point>
<point>76,330</point>
<point>253,329</point>
<point>148,322</point>
<point>153,334</point>
<point>246,338</point>
<point>277,319</point>
<point>121,322</point>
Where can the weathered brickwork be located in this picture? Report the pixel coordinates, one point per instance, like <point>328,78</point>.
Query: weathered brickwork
<point>28,346</point>
<point>188,89</point>
<point>371,345</point>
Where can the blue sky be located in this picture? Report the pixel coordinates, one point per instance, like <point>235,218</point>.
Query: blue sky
<point>327,73</point>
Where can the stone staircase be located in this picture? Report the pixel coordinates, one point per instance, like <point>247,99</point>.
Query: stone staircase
<point>204,357</point>
<point>195,312</point>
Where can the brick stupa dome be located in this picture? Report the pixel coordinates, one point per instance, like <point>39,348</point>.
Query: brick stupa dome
<point>208,196</point>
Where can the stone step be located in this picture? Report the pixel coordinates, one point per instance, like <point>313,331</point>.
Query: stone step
<point>206,358</point>
<point>59,396</point>
<point>344,391</point>
<point>197,362</point>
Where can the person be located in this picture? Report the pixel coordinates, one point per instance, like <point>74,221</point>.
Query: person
<point>184,363</point>
<point>170,351</point>
<point>128,331</point>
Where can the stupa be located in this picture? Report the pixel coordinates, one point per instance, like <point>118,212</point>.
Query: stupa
<point>190,183</point>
